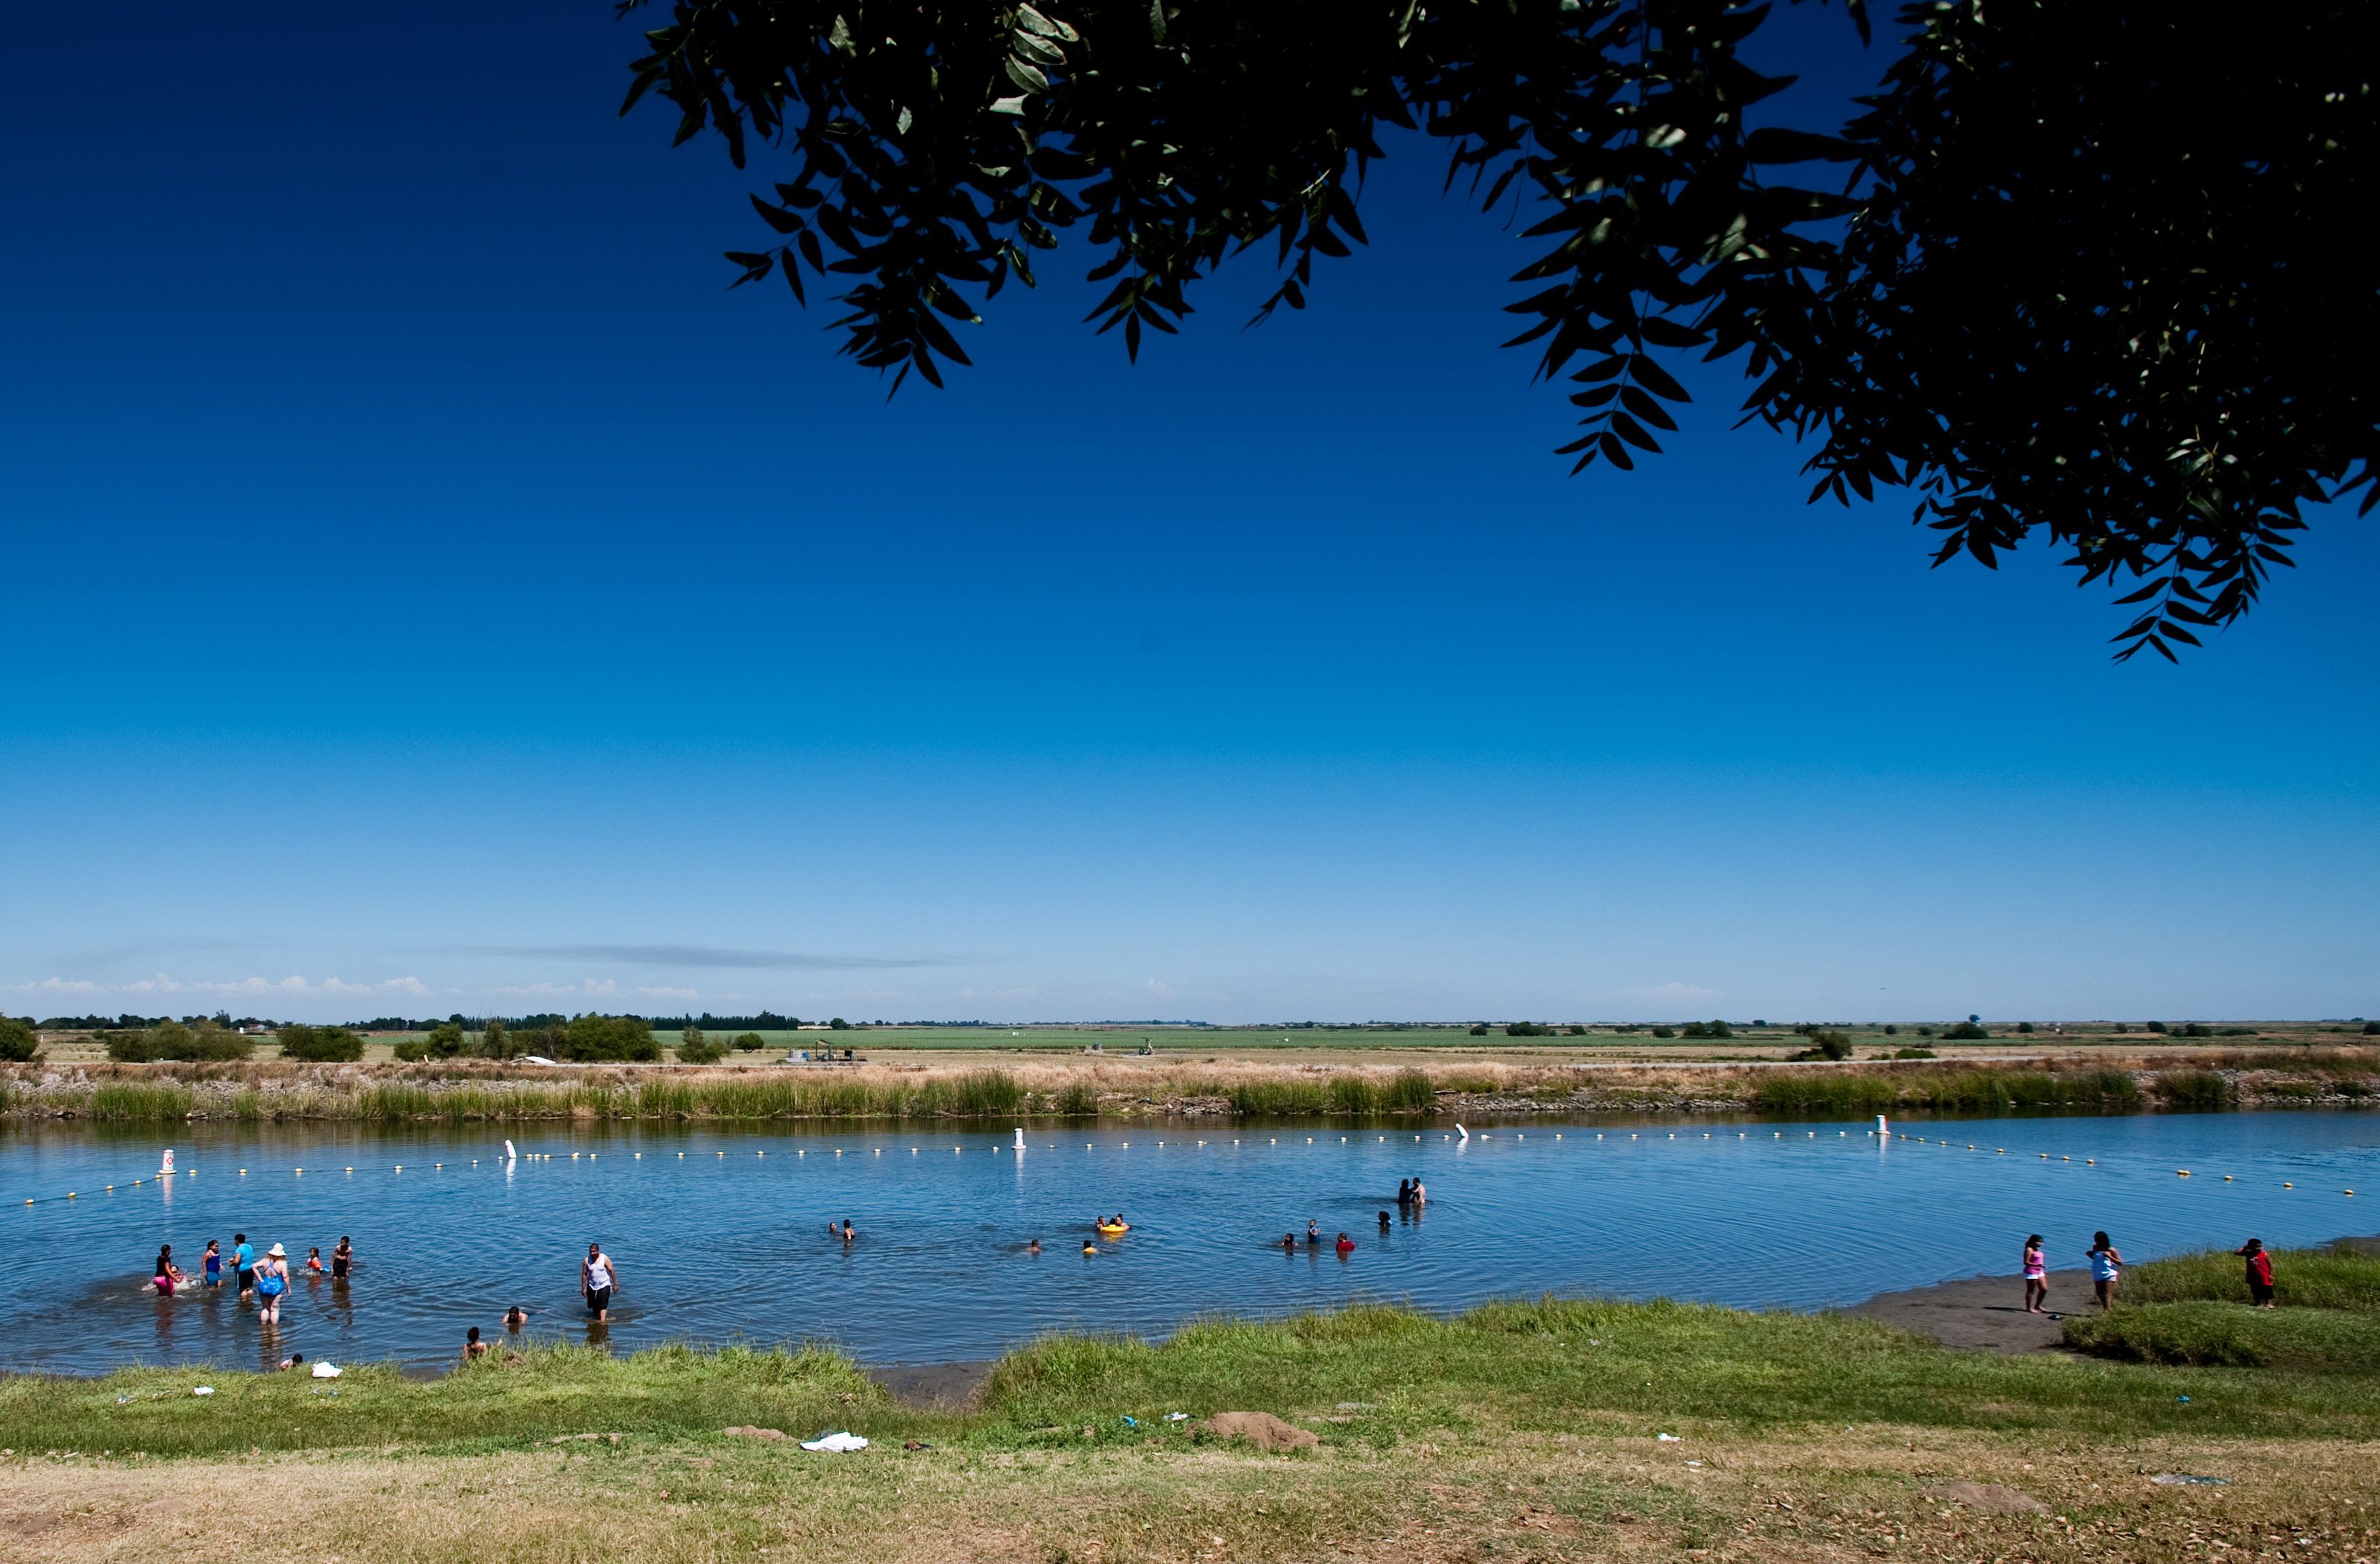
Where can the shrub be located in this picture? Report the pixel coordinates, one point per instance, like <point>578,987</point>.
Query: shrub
<point>1892,1031</point>
<point>170,1040</point>
<point>1964,1032</point>
<point>1478,1028</point>
<point>1710,1029</point>
<point>2371,1028</point>
<point>2157,1026</point>
<point>1912,1053</point>
<point>748,1042</point>
<point>693,1048</point>
<point>411,1049</point>
<point>1827,1045</point>
<point>2025,1026</point>
<point>497,1043</point>
<point>17,1043</point>
<point>321,1045</point>
<point>2198,1029</point>
<point>1077,1101</point>
<point>1665,1031</point>
<point>609,1038</point>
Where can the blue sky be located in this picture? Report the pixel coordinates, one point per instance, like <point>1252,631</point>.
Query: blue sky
<point>433,592</point>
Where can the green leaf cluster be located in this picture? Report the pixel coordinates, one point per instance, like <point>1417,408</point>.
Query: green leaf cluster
<point>2087,271</point>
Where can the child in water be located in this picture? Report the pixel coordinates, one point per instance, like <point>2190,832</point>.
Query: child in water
<point>169,1275</point>
<point>1089,1248</point>
<point>1314,1235</point>
<point>1033,1247</point>
<point>515,1317</point>
<point>1289,1243</point>
<point>214,1263</point>
<point>313,1261</point>
<point>2036,1276</point>
<point>1346,1247</point>
<point>473,1348</point>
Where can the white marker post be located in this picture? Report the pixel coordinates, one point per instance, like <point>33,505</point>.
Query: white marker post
<point>1882,1132</point>
<point>1020,1139</point>
<point>165,1169</point>
<point>510,1155</point>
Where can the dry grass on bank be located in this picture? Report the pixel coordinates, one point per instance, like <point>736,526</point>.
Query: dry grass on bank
<point>1858,1494</point>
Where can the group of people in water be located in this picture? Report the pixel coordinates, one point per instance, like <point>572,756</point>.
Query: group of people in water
<point>2107,1270</point>
<point>264,1278</point>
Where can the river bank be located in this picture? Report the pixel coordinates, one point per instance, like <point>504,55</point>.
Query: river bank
<point>1554,1430</point>
<point>1127,1088</point>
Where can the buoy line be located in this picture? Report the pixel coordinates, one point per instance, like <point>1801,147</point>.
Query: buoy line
<point>1022,1148</point>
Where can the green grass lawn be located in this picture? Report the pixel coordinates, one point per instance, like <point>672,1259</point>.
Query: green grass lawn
<point>2196,1309</point>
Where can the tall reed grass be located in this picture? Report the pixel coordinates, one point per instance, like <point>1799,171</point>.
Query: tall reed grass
<point>1843,1094</point>
<point>141,1102</point>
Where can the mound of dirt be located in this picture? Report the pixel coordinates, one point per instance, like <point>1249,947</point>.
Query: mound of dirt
<point>1262,1429</point>
<point>746,1431</point>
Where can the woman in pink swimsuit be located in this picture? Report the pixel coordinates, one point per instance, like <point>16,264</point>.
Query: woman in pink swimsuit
<point>2036,1277</point>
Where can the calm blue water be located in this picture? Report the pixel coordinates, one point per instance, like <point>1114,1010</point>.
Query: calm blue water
<point>717,1248</point>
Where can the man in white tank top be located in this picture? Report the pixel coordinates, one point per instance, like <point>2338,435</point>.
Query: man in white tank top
<point>597,1277</point>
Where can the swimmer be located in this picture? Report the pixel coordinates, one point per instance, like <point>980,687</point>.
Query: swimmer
<point>1404,1192</point>
<point>515,1317</point>
<point>272,1281</point>
<point>597,1277</point>
<point>313,1261</point>
<point>168,1274</point>
<point>1420,1194</point>
<point>214,1263</point>
<point>1033,1247</point>
<point>295,1360</point>
<point>1384,1222</point>
<point>243,1264</point>
<point>473,1348</point>
<point>341,1258</point>
<point>1313,1232</point>
<point>2036,1276</point>
<point>849,1232</point>
<point>1089,1248</point>
<point>1289,1243</point>
<point>1346,1247</point>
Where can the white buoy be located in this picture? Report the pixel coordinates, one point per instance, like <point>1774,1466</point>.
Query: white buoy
<point>510,1155</point>
<point>165,1169</point>
<point>1880,1128</point>
<point>1463,1133</point>
<point>1020,1139</point>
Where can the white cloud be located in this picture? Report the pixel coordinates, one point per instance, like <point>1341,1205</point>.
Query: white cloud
<point>162,984</point>
<point>1678,991</point>
<point>667,993</point>
<point>64,985</point>
<point>1163,990</point>
<point>593,986</point>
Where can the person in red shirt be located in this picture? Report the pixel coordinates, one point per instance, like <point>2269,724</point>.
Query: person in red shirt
<point>1346,1245</point>
<point>2260,1272</point>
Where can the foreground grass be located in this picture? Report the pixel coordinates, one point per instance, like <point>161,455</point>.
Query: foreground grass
<point>1524,1428</point>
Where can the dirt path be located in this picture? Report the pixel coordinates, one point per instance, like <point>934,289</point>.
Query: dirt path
<point>1981,1313</point>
